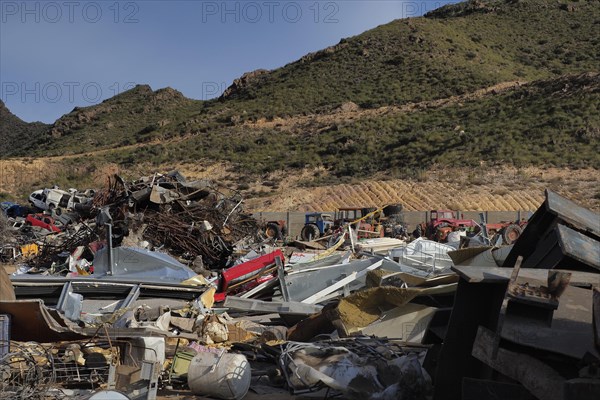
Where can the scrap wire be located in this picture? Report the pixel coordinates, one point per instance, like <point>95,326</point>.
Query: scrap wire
<point>231,212</point>
<point>25,373</point>
<point>39,372</point>
<point>181,231</point>
<point>84,236</point>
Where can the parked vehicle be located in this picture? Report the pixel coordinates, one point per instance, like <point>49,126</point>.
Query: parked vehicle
<point>43,221</point>
<point>13,210</point>
<point>505,232</point>
<point>316,225</point>
<point>5,205</point>
<point>276,229</point>
<point>393,222</point>
<point>441,223</point>
<point>58,200</point>
<point>38,199</point>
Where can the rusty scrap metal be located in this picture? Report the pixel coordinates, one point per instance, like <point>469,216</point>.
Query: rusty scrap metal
<point>50,251</point>
<point>185,218</point>
<point>39,371</point>
<point>194,219</point>
<point>200,230</point>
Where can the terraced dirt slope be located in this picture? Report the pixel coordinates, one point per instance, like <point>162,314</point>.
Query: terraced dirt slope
<point>485,189</point>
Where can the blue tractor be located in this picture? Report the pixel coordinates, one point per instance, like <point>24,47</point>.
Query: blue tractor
<point>316,225</point>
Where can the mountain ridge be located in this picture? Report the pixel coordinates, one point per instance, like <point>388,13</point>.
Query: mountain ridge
<point>16,133</point>
<point>508,83</point>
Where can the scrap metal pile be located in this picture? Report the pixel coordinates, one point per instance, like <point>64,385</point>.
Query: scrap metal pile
<point>192,220</point>
<point>365,318</point>
<point>188,219</point>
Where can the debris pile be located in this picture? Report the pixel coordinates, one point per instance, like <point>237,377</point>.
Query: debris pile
<point>165,286</point>
<point>189,219</point>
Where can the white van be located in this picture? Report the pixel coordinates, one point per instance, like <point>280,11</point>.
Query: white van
<point>38,199</point>
<point>57,199</point>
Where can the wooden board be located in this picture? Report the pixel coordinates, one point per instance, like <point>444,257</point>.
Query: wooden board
<point>540,379</point>
<point>579,247</point>
<point>571,331</point>
<point>7,291</point>
<point>596,321</point>
<point>492,274</point>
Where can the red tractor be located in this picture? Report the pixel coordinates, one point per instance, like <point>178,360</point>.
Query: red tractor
<point>441,223</point>
<point>509,231</point>
<point>275,229</point>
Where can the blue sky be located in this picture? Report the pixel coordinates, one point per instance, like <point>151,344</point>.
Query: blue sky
<point>55,55</point>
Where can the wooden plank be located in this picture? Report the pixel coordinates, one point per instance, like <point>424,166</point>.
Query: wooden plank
<point>579,247</point>
<point>516,269</point>
<point>571,332</point>
<point>485,389</point>
<point>596,318</point>
<point>461,255</point>
<point>309,245</point>
<point>7,291</point>
<point>540,379</point>
<point>483,274</point>
<point>582,389</point>
<point>475,304</point>
<point>554,210</point>
<point>571,212</point>
<point>499,274</point>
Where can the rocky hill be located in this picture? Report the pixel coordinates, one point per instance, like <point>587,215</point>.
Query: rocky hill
<point>451,51</point>
<point>17,136</point>
<point>501,84</point>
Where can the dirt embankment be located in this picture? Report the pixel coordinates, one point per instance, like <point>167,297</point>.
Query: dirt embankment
<point>16,174</point>
<point>488,188</point>
<point>506,190</point>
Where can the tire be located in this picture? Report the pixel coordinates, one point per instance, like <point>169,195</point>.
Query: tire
<point>58,211</point>
<point>393,209</point>
<point>273,231</point>
<point>310,232</point>
<point>367,210</point>
<point>511,233</point>
<point>418,232</point>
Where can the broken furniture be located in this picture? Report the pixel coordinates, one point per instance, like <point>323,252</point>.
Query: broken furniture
<point>464,361</point>
<point>478,301</point>
<point>560,234</point>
